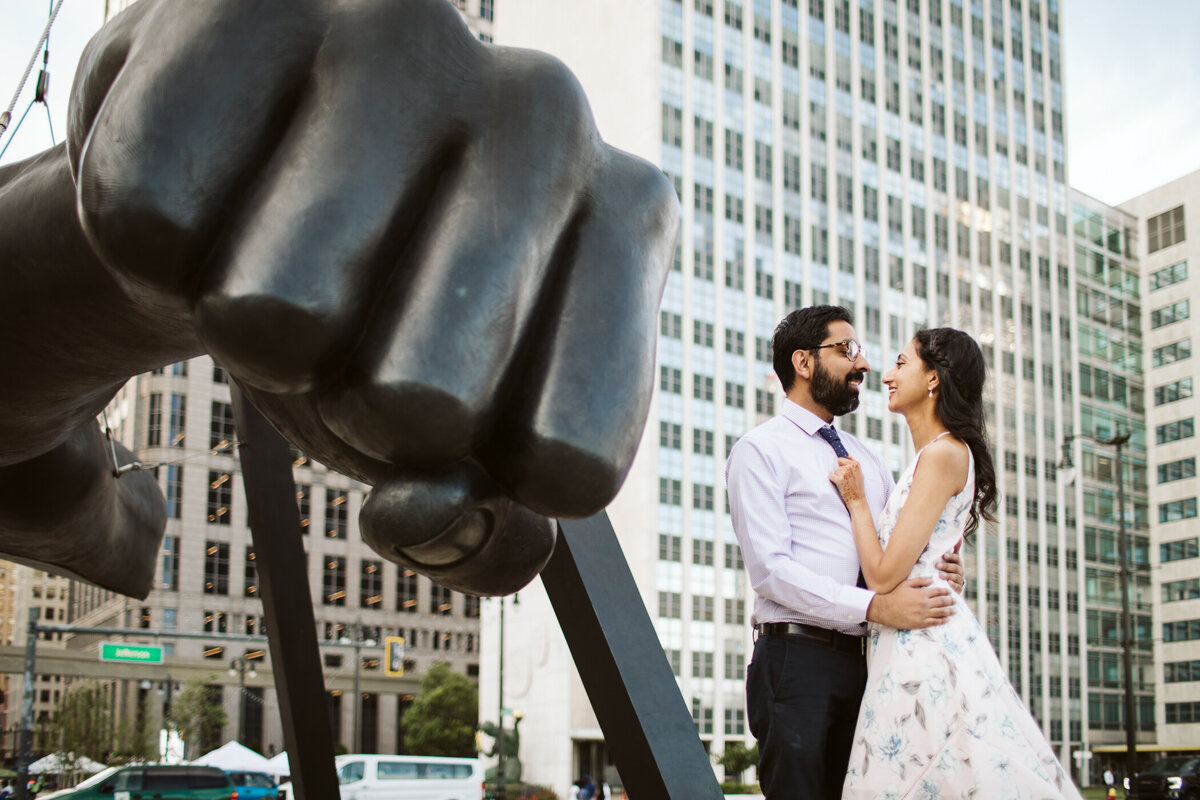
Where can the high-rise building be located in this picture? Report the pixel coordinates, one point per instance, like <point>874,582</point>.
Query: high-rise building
<point>1111,389</point>
<point>904,159</point>
<point>1168,291</point>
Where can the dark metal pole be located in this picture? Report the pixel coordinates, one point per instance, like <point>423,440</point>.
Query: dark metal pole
<point>1126,619</point>
<point>287,602</point>
<point>647,726</point>
<point>26,745</point>
<point>357,690</point>
<point>501,787</point>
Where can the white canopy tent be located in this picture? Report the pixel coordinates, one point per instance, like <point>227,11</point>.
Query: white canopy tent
<point>57,763</point>
<point>279,765</point>
<point>234,755</point>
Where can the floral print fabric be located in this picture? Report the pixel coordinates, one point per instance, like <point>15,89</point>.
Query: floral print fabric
<point>939,718</point>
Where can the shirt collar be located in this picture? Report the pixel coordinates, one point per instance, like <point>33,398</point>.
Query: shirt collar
<point>802,418</point>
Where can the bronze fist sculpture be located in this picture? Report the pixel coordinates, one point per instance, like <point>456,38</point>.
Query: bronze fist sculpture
<point>411,250</point>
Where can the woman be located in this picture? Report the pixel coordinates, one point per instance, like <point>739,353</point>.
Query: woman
<point>939,719</point>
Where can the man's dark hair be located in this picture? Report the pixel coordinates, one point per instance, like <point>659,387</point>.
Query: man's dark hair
<point>803,329</point>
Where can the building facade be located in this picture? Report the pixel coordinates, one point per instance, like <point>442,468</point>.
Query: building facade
<point>1169,289</point>
<point>904,159</point>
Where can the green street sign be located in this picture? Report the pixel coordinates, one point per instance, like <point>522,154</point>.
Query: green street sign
<point>135,653</point>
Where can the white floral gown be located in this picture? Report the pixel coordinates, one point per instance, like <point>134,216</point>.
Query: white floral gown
<point>939,718</point>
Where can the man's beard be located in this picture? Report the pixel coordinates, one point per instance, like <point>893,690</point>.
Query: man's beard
<point>837,397</point>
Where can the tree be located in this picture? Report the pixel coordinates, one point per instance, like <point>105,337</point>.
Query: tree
<point>444,715</point>
<point>737,758</point>
<point>82,726</point>
<point>135,740</point>
<point>198,715</point>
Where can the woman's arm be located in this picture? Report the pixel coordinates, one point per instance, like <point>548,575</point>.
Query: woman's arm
<point>940,474</point>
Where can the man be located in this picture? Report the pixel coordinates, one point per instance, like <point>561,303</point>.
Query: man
<point>807,675</point>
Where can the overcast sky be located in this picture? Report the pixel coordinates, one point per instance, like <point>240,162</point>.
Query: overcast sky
<point>1132,70</point>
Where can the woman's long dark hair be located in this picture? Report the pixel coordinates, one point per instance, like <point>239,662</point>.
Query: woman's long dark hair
<point>961,372</point>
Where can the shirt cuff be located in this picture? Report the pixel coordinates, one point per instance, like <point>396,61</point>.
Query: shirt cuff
<point>853,602</point>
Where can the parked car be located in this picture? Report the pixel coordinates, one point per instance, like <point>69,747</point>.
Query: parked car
<point>382,777</point>
<point>254,785</point>
<point>162,783</point>
<point>1172,778</point>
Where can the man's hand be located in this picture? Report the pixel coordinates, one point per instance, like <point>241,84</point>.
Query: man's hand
<point>913,604</point>
<point>410,249</point>
<point>950,569</point>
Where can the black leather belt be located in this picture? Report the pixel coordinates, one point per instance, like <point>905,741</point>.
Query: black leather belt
<point>835,639</point>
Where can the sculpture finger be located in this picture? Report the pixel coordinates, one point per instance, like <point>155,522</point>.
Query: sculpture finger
<point>576,415</point>
<point>332,220</point>
<point>458,527</point>
<point>423,385</point>
<point>159,171</point>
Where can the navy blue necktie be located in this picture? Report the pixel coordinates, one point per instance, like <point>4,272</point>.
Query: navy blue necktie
<point>830,435</point>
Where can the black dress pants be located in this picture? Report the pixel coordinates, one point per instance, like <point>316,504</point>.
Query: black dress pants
<point>803,697</point>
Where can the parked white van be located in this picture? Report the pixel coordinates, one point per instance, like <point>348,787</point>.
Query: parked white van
<point>384,777</point>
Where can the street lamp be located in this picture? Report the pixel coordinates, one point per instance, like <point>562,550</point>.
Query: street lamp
<point>241,667</point>
<point>1118,442</point>
<point>501,788</point>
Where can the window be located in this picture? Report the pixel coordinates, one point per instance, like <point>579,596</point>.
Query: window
<point>154,420</point>
<point>406,592</point>
<point>670,379</point>
<point>702,552</point>
<point>670,492</point>
<point>1177,470</point>
<point>1177,510</point>
<point>336,514</point>
<point>670,548</point>
<point>178,423</point>
<point>370,584</point>
<point>1174,431</point>
<point>1168,276</point>
<point>702,608</point>
<point>1175,312</point>
<point>702,664</point>
<point>670,325</point>
<point>1165,229</point>
<point>735,395</point>
<point>1181,671</point>
<point>1174,591</point>
<point>670,605</point>
<point>216,568</point>
<point>670,435</point>
<point>702,442</point>
<point>764,402</point>
<point>439,600</point>
<point>1170,392</point>
<point>216,622</point>
<point>1170,353</point>
<point>333,581</point>
<point>250,574</point>
<point>220,497</point>
<point>702,387</point>
<point>168,577</point>
<point>1183,712</point>
<point>221,433</point>
<point>174,492</point>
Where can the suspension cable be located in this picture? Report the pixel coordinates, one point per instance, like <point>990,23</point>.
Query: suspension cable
<point>6,116</point>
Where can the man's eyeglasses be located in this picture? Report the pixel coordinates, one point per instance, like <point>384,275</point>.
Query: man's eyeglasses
<point>850,348</point>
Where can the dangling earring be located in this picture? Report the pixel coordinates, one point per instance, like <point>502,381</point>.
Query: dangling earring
<point>931,392</point>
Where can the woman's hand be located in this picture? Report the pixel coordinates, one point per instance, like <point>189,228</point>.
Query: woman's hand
<point>848,479</point>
